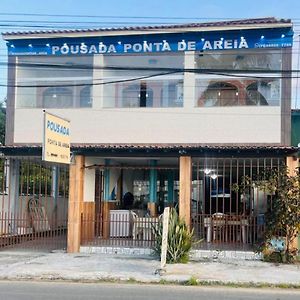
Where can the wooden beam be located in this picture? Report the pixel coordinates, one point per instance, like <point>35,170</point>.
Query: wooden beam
<point>152,207</point>
<point>75,204</point>
<point>292,164</point>
<point>185,188</point>
<point>88,230</point>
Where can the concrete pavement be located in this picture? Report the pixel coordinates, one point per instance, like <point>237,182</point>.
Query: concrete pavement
<point>99,267</point>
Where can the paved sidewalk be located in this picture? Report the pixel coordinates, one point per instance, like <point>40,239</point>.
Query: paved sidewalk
<point>95,267</point>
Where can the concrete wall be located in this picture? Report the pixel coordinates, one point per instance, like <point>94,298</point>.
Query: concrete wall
<point>158,125</point>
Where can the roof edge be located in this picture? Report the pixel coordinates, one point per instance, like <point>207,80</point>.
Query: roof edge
<point>256,23</point>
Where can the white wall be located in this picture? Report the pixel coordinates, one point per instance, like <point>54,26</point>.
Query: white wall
<point>89,178</point>
<point>247,124</point>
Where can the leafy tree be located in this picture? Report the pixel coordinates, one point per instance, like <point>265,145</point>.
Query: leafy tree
<point>283,215</point>
<point>2,122</point>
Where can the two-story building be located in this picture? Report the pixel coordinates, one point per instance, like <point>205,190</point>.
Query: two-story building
<point>160,115</point>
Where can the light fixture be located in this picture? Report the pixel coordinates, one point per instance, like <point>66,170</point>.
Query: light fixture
<point>214,176</point>
<point>207,171</point>
<point>222,38</point>
<point>30,45</point>
<point>262,37</point>
<point>48,45</point>
<point>202,39</point>
<point>283,35</point>
<point>54,95</point>
<point>237,93</point>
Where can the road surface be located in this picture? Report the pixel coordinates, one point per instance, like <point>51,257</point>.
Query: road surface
<point>64,290</point>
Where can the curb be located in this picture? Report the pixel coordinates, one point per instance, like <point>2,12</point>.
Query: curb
<point>191,282</point>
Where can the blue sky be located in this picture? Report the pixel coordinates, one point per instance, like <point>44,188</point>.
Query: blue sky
<point>193,9</point>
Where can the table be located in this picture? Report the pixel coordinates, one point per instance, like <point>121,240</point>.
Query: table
<point>225,222</point>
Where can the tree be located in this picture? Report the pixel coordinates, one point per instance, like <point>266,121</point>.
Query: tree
<point>283,215</point>
<point>2,122</point>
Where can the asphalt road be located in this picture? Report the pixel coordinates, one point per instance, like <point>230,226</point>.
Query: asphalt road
<point>63,290</point>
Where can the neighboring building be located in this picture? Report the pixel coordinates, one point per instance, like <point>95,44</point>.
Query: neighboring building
<point>171,114</point>
<point>295,127</point>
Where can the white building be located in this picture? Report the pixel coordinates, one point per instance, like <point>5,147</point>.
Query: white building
<point>167,113</point>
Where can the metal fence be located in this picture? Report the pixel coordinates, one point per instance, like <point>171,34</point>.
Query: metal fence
<point>126,230</point>
<point>228,231</point>
<point>33,204</point>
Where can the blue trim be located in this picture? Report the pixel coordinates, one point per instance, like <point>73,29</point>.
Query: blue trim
<point>106,182</point>
<point>153,182</point>
<point>171,186</point>
<point>150,43</point>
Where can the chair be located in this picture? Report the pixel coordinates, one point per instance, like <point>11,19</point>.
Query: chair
<point>144,227</point>
<point>137,230</point>
<point>219,227</point>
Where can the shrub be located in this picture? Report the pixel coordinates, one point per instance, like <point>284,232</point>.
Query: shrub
<point>283,215</point>
<point>179,239</point>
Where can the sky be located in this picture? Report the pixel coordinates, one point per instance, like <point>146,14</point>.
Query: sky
<point>162,10</point>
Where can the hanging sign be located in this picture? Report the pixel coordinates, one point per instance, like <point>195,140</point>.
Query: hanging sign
<point>56,142</point>
<point>153,43</point>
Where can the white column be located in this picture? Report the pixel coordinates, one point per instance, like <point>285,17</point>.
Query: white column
<point>13,187</point>
<point>98,74</point>
<point>189,82</point>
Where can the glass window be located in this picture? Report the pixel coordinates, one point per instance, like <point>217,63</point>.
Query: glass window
<point>57,97</point>
<point>143,80</point>
<point>85,97</point>
<point>56,82</point>
<point>225,87</point>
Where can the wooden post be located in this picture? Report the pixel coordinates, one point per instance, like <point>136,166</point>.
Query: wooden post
<point>152,204</point>
<point>106,219</point>
<point>75,204</point>
<point>292,163</point>
<point>152,207</point>
<point>185,188</point>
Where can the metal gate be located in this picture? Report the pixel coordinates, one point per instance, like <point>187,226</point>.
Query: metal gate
<point>33,204</point>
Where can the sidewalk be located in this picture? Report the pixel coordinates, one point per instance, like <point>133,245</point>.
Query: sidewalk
<point>97,267</point>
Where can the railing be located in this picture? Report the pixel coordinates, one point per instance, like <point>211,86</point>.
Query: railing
<point>125,230</point>
<point>22,231</point>
<point>232,232</point>
<point>228,229</point>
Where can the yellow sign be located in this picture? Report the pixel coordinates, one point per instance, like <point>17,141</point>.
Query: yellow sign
<point>56,145</point>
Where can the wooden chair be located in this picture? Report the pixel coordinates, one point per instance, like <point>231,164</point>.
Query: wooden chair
<point>219,227</point>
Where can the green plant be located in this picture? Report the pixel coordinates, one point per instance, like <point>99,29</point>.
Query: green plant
<point>179,239</point>
<point>192,281</point>
<point>283,215</point>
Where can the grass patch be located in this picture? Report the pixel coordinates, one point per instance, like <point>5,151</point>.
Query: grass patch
<point>192,281</point>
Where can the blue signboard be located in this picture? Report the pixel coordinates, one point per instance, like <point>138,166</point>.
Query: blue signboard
<point>151,43</point>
